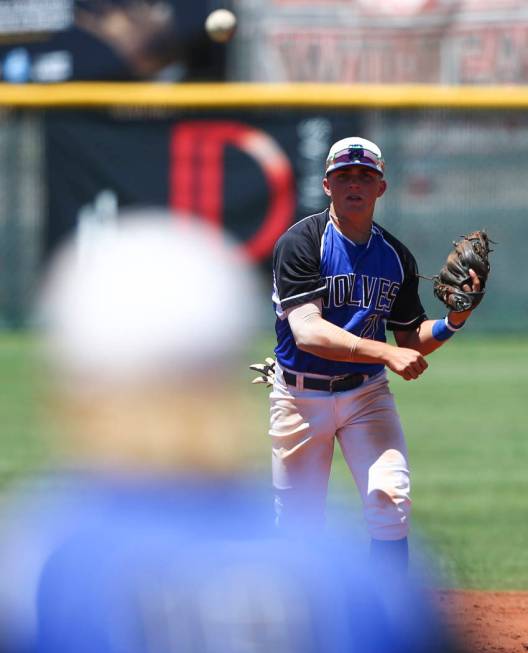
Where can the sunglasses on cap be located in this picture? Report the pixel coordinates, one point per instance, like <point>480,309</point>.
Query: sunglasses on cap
<point>355,156</point>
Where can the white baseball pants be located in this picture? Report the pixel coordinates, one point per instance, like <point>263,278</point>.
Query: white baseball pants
<point>304,425</point>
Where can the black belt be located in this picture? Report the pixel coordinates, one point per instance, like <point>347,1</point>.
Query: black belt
<point>337,384</point>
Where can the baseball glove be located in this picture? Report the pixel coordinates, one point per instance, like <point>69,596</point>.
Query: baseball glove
<point>266,371</point>
<point>470,252</point>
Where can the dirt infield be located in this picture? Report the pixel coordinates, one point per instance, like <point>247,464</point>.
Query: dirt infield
<point>493,622</point>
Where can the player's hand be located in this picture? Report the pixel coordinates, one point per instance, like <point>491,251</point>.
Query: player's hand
<point>407,363</point>
<point>457,317</point>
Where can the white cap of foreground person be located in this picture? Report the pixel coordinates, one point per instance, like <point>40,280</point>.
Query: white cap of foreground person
<point>147,295</point>
<point>143,326</point>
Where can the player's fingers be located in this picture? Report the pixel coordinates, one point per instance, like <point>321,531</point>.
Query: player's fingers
<point>417,368</point>
<point>411,373</point>
<point>475,280</point>
<point>260,379</point>
<point>422,364</point>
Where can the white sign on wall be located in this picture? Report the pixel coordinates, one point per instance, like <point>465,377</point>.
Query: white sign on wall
<point>23,16</point>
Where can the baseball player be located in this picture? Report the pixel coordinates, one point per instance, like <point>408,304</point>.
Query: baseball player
<point>340,280</point>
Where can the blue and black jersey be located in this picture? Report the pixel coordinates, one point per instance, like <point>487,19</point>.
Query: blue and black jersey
<point>364,288</point>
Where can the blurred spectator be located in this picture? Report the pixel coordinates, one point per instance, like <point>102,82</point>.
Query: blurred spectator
<point>151,536</point>
<point>120,40</point>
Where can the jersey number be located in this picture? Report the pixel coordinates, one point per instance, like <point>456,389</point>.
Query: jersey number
<point>371,327</point>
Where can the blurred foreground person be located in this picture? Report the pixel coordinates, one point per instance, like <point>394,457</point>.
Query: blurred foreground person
<point>150,537</point>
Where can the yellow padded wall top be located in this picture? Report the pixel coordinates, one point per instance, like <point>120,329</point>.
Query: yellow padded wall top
<point>237,95</point>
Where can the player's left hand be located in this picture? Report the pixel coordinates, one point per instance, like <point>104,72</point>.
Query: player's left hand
<point>457,317</point>
<point>454,285</point>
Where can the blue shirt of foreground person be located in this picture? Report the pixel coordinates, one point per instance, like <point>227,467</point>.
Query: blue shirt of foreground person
<point>193,566</point>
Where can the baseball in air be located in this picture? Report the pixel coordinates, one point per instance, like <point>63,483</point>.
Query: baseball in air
<point>220,25</point>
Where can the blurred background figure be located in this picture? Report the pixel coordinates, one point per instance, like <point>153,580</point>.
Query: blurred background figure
<point>120,40</point>
<point>151,534</point>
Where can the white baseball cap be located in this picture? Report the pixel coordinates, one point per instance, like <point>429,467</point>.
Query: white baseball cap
<point>151,295</point>
<point>354,151</point>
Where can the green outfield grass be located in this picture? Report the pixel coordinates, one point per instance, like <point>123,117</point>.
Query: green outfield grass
<point>22,443</point>
<point>466,423</point>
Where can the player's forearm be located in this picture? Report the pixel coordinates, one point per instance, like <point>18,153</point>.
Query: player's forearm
<point>326,340</point>
<point>423,339</point>
<point>316,336</point>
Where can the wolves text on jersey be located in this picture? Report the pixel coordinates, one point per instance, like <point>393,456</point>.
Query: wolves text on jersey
<point>362,291</point>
